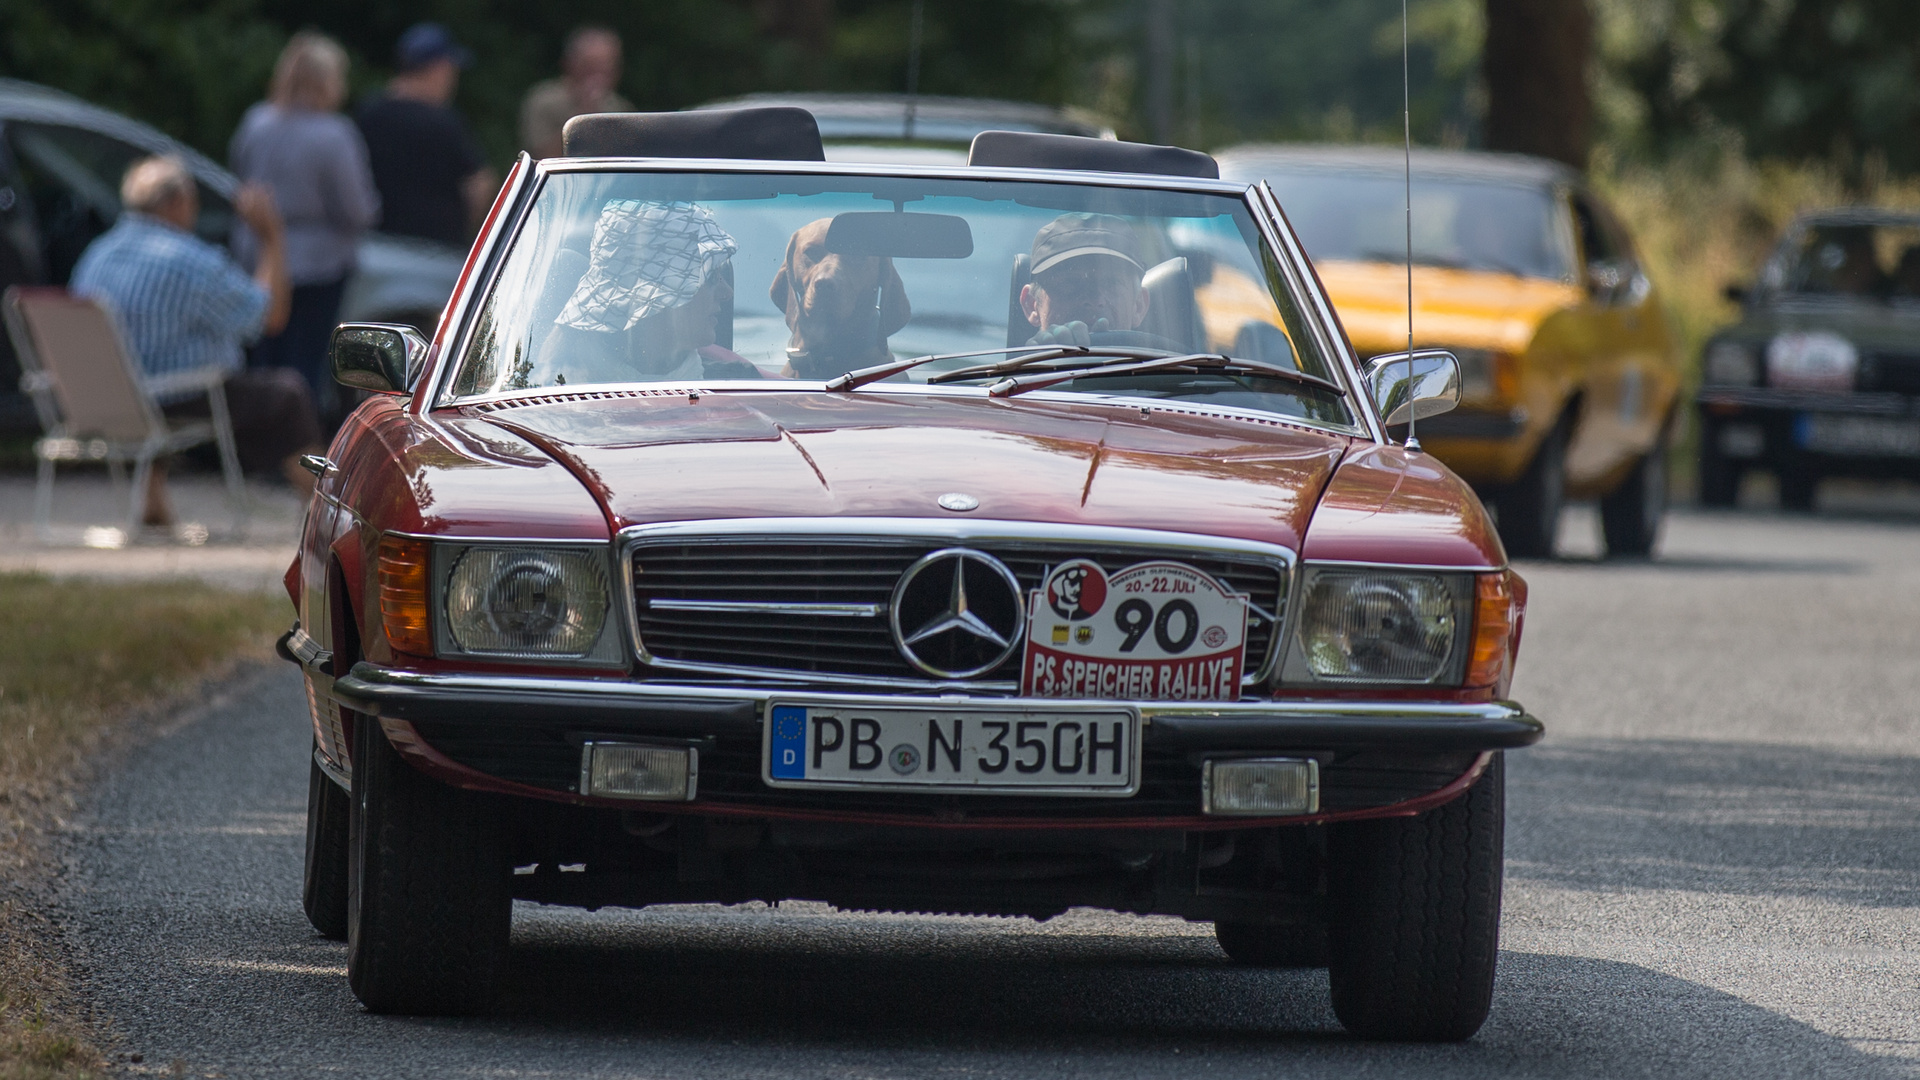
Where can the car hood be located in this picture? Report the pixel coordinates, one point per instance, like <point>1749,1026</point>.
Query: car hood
<point>656,456</point>
<point>1466,308</point>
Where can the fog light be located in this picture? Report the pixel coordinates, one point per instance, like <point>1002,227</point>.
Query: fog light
<point>633,771</point>
<point>1261,787</point>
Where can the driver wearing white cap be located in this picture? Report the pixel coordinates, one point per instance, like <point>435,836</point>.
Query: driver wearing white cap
<point>1086,280</point>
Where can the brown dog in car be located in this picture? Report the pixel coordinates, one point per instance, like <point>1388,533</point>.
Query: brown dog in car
<point>840,308</point>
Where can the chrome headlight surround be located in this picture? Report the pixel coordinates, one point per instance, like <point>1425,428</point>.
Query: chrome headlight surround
<point>1380,626</point>
<point>546,602</point>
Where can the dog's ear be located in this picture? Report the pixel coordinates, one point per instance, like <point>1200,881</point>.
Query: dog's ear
<point>780,291</point>
<point>894,308</point>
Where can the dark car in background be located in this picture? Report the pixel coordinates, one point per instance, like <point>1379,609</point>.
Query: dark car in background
<point>1821,375</point>
<point>61,160</point>
<point>902,129</point>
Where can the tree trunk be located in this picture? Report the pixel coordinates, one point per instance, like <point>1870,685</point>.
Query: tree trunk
<point>1535,63</point>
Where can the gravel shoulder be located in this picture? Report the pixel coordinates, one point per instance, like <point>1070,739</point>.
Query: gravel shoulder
<point>1714,869</point>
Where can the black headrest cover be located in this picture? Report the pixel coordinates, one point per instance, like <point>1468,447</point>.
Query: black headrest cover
<point>772,133</point>
<point>1031,150</point>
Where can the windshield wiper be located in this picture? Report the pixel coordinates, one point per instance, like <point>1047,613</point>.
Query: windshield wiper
<point>853,380</point>
<point>1115,355</point>
<point>1020,384</point>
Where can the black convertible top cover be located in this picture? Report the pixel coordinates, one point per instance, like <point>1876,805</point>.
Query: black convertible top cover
<point>772,133</point>
<point>1033,150</point>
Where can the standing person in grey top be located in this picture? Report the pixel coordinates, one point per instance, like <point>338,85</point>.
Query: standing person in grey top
<point>298,145</point>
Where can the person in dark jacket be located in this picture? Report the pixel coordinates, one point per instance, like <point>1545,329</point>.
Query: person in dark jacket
<point>433,181</point>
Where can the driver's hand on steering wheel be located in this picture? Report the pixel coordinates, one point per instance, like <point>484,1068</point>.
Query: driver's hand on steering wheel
<point>1072,333</point>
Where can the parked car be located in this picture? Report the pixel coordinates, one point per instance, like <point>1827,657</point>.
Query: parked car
<point>1821,375</point>
<point>61,160</point>
<point>993,629</point>
<point>897,129</point>
<point>1570,371</point>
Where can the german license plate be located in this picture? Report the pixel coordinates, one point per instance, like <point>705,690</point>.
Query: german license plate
<point>1155,631</point>
<point>979,750</point>
<point>1877,436</point>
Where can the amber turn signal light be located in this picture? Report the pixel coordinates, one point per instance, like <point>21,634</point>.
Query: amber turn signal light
<point>1497,605</point>
<point>403,594</point>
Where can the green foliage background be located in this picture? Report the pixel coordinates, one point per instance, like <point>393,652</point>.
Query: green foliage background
<point>191,67</point>
<point>1831,81</point>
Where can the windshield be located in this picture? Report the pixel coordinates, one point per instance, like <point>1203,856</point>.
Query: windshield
<point>1463,224</point>
<point>1862,261</point>
<point>622,277</point>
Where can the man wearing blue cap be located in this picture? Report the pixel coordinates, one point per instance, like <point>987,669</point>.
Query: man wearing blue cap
<point>433,181</point>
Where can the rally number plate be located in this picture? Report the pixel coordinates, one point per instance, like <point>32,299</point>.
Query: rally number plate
<point>1155,631</point>
<point>1066,751</point>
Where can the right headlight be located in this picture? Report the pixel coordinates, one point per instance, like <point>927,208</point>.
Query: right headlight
<point>1381,626</point>
<point>527,603</point>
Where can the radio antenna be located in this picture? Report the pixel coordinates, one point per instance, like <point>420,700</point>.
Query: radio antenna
<point>1406,130</point>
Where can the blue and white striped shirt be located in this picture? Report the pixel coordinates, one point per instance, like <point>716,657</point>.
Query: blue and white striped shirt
<point>183,303</point>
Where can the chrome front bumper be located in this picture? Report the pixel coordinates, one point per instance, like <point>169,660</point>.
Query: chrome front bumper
<point>394,694</point>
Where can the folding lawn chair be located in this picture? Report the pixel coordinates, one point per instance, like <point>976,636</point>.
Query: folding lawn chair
<point>95,405</point>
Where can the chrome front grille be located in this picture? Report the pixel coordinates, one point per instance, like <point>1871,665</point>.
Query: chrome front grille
<point>821,601</point>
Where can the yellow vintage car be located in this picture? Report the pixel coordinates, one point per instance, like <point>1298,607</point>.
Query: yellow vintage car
<point>1570,371</point>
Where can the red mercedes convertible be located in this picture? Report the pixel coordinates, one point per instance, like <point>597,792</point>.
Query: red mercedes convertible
<point>994,538</point>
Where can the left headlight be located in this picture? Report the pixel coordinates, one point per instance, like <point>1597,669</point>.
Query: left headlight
<point>528,603</point>
<point>1381,626</point>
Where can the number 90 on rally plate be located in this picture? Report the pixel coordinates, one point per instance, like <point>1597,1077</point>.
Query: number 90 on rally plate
<point>1155,631</point>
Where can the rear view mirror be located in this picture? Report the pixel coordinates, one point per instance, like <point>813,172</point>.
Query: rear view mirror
<point>1404,391</point>
<point>900,236</point>
<point>382,357</point>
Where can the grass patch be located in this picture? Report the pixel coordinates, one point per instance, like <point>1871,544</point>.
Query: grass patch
<point>75,658</point>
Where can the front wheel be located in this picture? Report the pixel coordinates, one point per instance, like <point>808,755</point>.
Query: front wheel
<point>429,903</point>
<point>1530,506</point>
<point>1630,515</point>
<point>1416,910</point>
<point>324,891</point>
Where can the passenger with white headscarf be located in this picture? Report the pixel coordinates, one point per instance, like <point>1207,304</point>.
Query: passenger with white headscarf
<point>648,307</point>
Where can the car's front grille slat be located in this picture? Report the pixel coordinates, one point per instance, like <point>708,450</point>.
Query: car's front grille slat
<point>864,572</point>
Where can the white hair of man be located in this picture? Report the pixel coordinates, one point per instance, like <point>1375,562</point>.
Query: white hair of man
<point>310,74</point>
<point>152,184</point>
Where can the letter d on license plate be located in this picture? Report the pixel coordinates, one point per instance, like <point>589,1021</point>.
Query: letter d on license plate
<point>1066,751</point>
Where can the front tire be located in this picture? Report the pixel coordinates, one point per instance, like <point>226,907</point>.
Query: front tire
<point>1416,930</point>
<point>1530,506</point>
<point>324,891</point>
<point>429,905</point>
<point>1630,515</point>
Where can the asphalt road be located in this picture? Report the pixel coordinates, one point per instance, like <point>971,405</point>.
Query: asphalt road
<point>1714,870</point>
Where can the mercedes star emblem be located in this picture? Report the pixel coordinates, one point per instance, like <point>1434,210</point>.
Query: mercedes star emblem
<point>958,501</point>
<point>957,613</point>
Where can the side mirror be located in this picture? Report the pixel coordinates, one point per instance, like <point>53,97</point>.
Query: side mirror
<point>382,357</point>
<point>1403,391</point>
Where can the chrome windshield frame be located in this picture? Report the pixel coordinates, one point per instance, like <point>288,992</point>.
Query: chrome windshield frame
<point>1259,202</point>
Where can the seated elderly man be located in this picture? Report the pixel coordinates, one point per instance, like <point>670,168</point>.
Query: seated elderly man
<point>1086,280</point>
<point>185,305</point>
